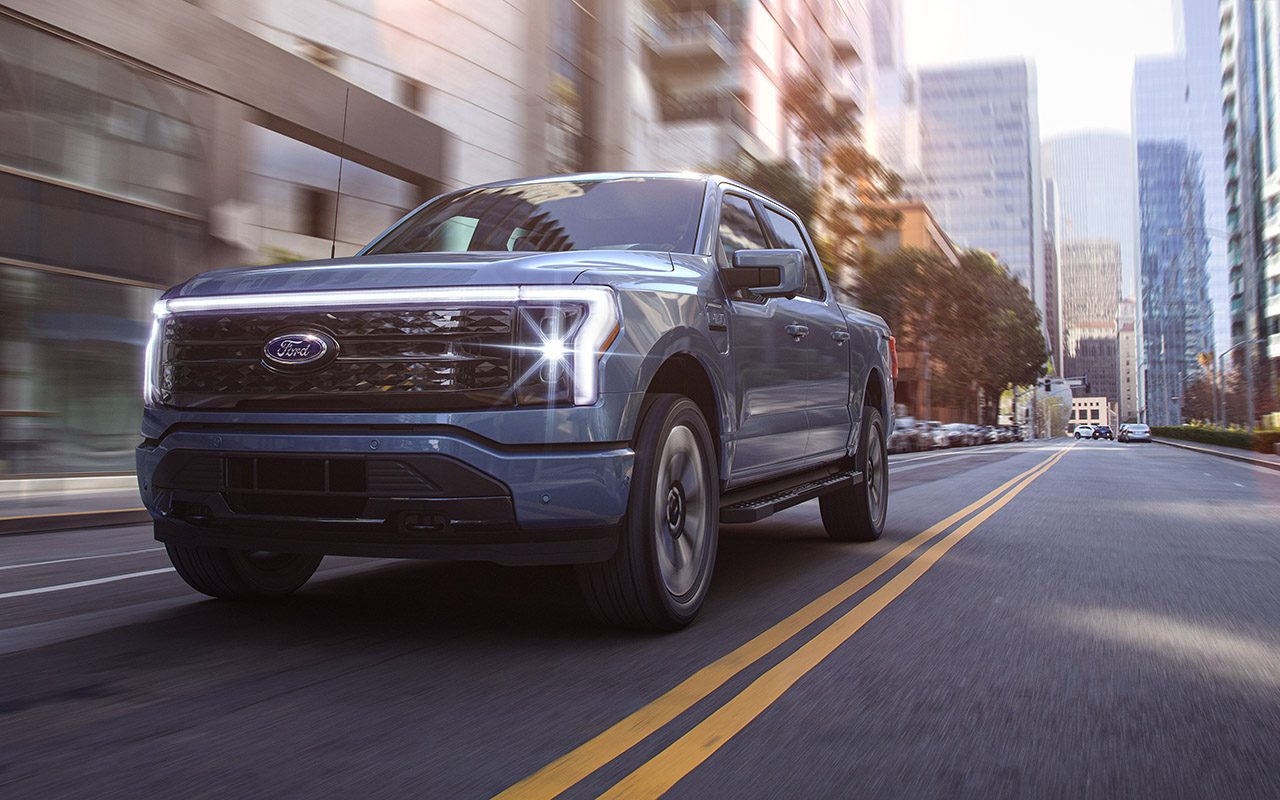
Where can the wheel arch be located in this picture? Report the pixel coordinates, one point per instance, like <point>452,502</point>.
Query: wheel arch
<point>683,371</point>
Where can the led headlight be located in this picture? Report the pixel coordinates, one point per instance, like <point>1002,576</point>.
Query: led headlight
<point>562,333</point>
<point>151,378</point>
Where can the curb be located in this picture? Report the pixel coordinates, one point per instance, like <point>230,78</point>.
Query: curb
<point>72,520</point>
<point>1257,462</point>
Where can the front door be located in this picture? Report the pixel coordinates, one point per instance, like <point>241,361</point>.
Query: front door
<point>827,347</point>
<point>769,359</point>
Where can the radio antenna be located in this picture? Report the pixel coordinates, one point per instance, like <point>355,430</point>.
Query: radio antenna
<point>342,158</point>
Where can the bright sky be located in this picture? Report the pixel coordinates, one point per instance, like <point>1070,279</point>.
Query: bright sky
<point>1083,49</point>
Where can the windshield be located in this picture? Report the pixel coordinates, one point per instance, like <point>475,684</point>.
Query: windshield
<point>641,213</point>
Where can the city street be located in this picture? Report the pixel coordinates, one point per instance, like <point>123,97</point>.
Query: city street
<point>1043,619</point>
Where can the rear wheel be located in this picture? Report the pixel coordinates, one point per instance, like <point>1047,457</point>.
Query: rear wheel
<point>241,574</point>
<point>856,513</point>
<point>659,575</point>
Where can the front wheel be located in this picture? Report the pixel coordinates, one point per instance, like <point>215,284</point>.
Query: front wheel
<point>856,513</point>
<point>658,577</point>
<point>241,574</point>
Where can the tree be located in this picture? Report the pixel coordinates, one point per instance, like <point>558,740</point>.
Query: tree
<point>781,180</point>
<point>1198,400</point>
<point>854,187</point>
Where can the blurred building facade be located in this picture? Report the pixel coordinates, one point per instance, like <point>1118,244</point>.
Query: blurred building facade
<point>979,163</point>
<point>1179,98</point>
<point>1132,408</point>
<point>1093,173</point>
<point>1250,70</point>
<point>1177,313</point>
<point>1090,271</point>
<point>1052,283</point>
<point>143,142</point>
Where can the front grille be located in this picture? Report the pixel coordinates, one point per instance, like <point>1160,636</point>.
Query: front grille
<point>422,359</point>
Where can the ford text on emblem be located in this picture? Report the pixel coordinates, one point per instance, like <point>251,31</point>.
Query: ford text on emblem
<point>298,349</point>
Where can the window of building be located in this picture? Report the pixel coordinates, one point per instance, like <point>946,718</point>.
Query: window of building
<point>318,54</point>
<point>317,207</point>
<point>411,94</point>
<point>1093,414</point>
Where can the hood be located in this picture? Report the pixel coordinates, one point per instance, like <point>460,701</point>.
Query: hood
<point>417,270</point>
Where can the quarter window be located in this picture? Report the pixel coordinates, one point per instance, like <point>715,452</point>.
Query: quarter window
<point>790,237</point>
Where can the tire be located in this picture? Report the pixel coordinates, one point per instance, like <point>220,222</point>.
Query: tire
<point>239,574</point>
<point>658,577</point>
<point>857,513</point>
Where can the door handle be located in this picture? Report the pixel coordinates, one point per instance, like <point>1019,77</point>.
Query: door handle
<point>797,331</point>
<point>841,337</point>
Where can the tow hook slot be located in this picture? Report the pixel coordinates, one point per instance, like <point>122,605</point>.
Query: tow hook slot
<point>422,524</point>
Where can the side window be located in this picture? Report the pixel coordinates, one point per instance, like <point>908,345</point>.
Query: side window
<point>790,237</point>
<point>739,228</point>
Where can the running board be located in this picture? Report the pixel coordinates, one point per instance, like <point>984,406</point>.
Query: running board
<point>761,506</point>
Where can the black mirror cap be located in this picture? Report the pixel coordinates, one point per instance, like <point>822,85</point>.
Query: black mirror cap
<point>767,272</point>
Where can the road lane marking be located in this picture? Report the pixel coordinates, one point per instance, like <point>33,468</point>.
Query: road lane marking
<point>663,771</point>
<point>62,587</point>
<point>569,769</point>
<point>79,558</point>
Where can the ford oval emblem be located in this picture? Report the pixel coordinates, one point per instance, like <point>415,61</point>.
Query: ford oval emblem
<point>303,349</point>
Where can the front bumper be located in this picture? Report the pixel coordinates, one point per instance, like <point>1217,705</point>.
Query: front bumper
<point>447,495</point>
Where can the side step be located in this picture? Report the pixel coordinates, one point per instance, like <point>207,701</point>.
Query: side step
<point>761,506</point>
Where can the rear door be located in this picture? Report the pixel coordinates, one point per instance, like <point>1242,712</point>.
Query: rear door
<point>769,363</point>
<point>827,348</point>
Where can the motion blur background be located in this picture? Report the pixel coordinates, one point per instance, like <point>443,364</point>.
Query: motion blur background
<point>143,141</point>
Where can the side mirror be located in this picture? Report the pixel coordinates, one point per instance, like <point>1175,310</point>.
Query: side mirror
<point>770,273</point>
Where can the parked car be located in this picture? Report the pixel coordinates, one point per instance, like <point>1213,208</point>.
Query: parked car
<point>1084,432</point>
<point>1135,432</point>
<point>957,434</point>
<point>932,434</point>
<point>905,437</point>
<point>1103,432</point>
<point>991,434</point>
<point>594,370</point>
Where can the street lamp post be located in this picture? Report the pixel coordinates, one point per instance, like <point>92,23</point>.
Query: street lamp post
<point>1248,372</point>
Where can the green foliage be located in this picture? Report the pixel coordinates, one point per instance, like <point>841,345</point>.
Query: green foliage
<point>778,179</point>
<point>977,322</point>
<point>1206,435</point>
<point>855,187</point>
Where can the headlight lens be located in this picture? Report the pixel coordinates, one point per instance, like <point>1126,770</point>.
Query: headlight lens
<point>563,332</point>
<point>154,357</point>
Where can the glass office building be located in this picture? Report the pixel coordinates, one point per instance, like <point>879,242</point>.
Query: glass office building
<point>980,163</point>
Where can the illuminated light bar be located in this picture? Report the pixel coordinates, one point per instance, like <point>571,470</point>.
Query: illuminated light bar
<point>596,333</point>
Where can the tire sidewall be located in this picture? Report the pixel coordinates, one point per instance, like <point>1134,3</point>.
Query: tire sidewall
<point>664,414</point>
<point>872,427</point>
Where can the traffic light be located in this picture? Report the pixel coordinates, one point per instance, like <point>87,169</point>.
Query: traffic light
<point>1087,390</point>
<point>1048,385</point>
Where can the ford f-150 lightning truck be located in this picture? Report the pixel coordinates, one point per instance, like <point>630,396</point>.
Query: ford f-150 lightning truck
<point>593,369</point>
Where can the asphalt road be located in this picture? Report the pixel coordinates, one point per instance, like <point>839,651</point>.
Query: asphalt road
<point>1058,619</point>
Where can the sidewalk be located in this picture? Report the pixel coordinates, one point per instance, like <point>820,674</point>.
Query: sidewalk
<point>1233,453</point>
<point>33,506</point>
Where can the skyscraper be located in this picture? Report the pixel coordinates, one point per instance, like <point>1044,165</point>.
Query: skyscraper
<point>980,163</point>
<point>1089,274</point>
<point>1052,273</point>
<point>1097,216</point>
<point>1177,316</point>
<point>1250,71</point>
<point>1178,98</point>
<point>1097,192</point>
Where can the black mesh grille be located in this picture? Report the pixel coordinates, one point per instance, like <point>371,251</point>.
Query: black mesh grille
<point>428,359</point>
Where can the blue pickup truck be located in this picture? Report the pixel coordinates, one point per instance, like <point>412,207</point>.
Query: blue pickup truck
<point>593,369</point>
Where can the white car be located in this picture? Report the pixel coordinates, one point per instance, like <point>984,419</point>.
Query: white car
<point>1135,432</point>
<point>1084,431</point>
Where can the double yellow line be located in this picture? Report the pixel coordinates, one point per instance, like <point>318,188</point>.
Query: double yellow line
<point>664,770</point>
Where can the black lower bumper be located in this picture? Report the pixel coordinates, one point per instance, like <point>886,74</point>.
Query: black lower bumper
<point>396,506</point>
